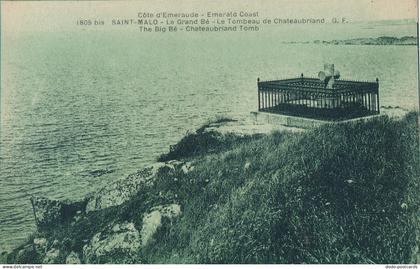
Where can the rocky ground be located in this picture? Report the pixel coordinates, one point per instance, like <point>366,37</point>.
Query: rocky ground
<point>116,241</point>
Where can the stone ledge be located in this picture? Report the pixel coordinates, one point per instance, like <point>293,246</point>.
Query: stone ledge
<point>297,122</point>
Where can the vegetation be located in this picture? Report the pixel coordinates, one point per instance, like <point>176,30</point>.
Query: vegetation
<point>344,193</point>
<point>341,193</point>
<point>203,141</point>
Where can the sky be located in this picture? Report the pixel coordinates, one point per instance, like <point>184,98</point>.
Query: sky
<point>33,16</point>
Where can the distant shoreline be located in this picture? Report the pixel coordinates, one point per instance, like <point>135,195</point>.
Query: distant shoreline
<point>381,41</point>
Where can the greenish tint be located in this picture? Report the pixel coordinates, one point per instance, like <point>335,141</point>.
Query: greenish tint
<point>341,193</point>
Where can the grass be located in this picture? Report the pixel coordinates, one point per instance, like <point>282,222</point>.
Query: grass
<point>341,193</point>
<point>202,142</point>
<point>344,193</point>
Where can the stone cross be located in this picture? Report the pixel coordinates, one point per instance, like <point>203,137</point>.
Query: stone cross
<point>329,75</point>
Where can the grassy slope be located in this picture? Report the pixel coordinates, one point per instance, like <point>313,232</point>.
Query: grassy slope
<point>344,193</point>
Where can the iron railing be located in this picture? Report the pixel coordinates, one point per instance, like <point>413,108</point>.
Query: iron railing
<point>309,97</point>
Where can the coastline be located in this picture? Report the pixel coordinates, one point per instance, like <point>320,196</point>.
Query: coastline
<point>168,211</point>
<point>379,41</point>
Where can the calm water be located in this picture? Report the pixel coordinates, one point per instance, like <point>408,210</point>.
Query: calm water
<point>82,109</point>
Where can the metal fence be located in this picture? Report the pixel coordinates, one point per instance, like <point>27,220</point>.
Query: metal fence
<point>309,97</point>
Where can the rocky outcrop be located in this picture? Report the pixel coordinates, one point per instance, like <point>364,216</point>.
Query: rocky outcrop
<point>52,256</point>
<point>119,243</point>
<point>230,193</point>
<point>187,168</point>
<point>49,213</point>
<point>153,220</point>
<point>122,242</point>
<point>41,246</point>
<point>124,189</point>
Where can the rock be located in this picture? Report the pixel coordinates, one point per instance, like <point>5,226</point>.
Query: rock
<point>117,244</point>
<point>40,245</point>
<point>153,220</point>
<point>77,216</point>
<point>122,190</point>
<point>187,167</point>
<point>175,164</point>
<point>73,258</point>
<point>49,213</point>
<point>247,166</point>
<point>52,256</point>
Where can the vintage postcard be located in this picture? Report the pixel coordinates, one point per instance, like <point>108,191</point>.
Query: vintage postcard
<point>209,132</point>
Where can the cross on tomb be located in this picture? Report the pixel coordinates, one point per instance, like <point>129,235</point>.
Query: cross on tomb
<point>328,76</point>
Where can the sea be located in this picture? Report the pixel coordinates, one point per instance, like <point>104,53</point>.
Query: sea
<point>81,109</point>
